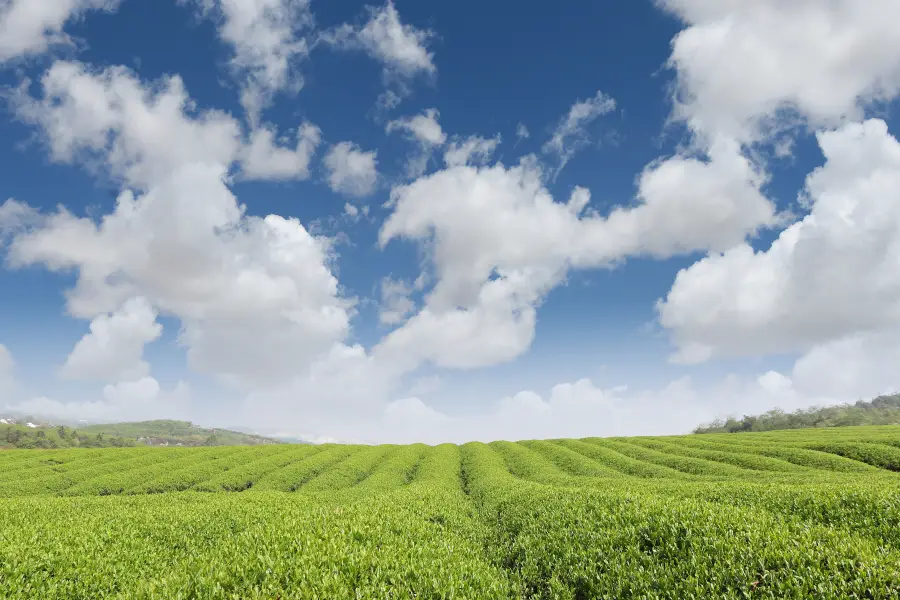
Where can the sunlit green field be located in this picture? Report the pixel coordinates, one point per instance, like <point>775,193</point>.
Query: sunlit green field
<point>790,514</point>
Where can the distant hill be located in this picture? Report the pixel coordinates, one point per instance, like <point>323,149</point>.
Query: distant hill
<point>29,434</point>
<point>884,410</point>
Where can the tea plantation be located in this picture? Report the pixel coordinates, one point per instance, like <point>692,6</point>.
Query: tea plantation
<point>786,514</point>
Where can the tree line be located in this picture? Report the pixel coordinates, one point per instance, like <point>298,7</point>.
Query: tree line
<point>61,437</point>
<point>884,410</point>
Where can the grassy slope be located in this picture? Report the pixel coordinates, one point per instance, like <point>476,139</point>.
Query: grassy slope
<point>792,514</point>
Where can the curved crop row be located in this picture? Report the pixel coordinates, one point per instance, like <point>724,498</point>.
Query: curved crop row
<point>245,476</point>
<point>189,475</point>
<point>743,461</point>
<point>57,482</point>
<point>804,457</point>
<point>879,455</point>
<point>693,466</point>
<point>48,462</point>
<point>622,463</point>
<point>351,471</point>
<point>116,482</point>
<point>398,470</point>
<point>294,475</point>
<point>570,461</point>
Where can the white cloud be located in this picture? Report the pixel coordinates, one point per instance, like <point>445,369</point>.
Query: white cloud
<point>522,132</point>
<point>498,242</point>
<point>740,64</point>
<point>140,133</point>
<point>425,386</point>
<point>858,366</point>
<point>113,350</point>
<point>16,217</point>
<point>691,203</point>
<point>831,275</point>
<point>132,401</point>
<point>340,393</point>
<point>425,130</point>
<point>255,296</point>
<point>263,158</point>
<point>474,149</point>
<point>582,409</point>
<point>570,134</point>
<point>29,27</point>
<point>267,39</point>
<point>7,372</point>
<point>351,171</point>
<point>396,304</point>
<point>401,48</point>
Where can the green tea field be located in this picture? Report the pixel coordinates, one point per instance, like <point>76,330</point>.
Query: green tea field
<point>787,514</point>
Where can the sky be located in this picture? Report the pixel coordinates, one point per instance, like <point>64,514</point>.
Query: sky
<point>420,222</point>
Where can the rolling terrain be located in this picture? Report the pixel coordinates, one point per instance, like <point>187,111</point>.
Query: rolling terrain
<point>786,514</point>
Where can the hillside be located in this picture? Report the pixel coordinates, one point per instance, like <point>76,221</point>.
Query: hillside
<point>811,513</point>
<point>884,410</point>
<point>28,434</point>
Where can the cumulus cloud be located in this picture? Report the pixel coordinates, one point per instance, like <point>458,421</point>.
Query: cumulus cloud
<point>474,149</point>
<point>831,275</point>
<point>16,217</point>
<point>255,296</point>
<point>268,39</point>
<point>423,128</point>
<point>584,409</point>
<point>351,170</point>
<point>498,242</point>
<point>426,132</point>
<point>29,28</point>
<point>139,400</point>
<point>113,349</point>
<point>7,375</point>
<point>745,68</point>
<point>401,48</point>
<point>395,301</point>
<point>263,158</point>
<point>571,134</point>
<point>140,134</point>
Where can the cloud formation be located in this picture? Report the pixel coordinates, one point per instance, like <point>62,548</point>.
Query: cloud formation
<point>402,49</point>
<point>571,132</point>
<point>830,275</point>
<point>255,296</point>
<point>268,38</point>
<point>113,350</point>
<point>29,28</point>
<point>351,170</point>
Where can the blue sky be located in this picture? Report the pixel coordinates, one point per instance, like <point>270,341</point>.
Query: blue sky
<point>457,223</point>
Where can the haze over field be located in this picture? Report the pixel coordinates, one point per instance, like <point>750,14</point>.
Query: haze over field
<point>420,222</point>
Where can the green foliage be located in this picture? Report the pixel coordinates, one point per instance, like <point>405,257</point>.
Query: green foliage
<point>812,513</point>
<point>185,433</point>
<point>884,410</point>
<point>46,438</point>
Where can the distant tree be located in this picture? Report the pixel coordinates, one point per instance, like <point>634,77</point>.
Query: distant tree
<point>884,410</point>
<point>61,432</point>
<point>211,440</point>
<point>41,435</point>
